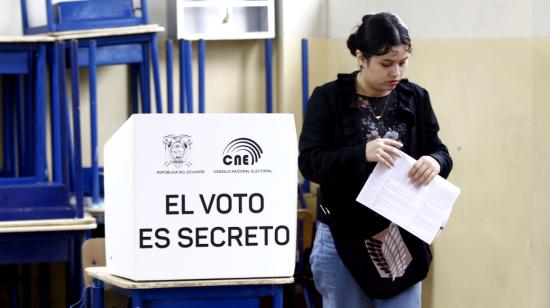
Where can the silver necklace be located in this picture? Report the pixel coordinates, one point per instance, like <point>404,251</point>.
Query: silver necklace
<point>371,110</point>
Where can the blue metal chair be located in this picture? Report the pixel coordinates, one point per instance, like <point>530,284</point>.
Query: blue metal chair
<point>81,14</point>
<point>137,48</point>
<point>25,188</point>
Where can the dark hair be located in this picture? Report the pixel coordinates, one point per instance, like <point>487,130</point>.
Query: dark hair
<point>377,34</point>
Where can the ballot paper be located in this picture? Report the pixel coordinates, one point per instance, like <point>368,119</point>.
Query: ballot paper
<point>421,211</point>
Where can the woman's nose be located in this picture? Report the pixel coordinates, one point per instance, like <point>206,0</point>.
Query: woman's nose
<point>394,71</point>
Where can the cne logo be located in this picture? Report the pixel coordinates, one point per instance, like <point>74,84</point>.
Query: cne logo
<point>177,150</point>
<point>242,151</point>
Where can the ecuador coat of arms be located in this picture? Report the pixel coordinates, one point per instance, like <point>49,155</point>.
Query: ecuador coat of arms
<point>177,150</point>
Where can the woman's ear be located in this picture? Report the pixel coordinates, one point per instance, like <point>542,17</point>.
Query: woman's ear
<point>360,59</point>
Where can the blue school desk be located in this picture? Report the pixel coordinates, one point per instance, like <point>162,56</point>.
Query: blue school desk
<point>135,46</point>
<point>47,240</point>
<point>226,293</point>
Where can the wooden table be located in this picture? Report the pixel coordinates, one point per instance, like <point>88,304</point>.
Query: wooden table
<point>47,225</point>
<point>241,293</point>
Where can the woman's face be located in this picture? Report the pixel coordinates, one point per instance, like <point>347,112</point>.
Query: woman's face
<point>381,74</point>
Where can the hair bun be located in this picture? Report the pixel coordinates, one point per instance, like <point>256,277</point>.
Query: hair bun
<point>366,18</point>
<point>352,43</point>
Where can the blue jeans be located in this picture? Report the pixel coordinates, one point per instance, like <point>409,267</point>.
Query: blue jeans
<point>337,286</point>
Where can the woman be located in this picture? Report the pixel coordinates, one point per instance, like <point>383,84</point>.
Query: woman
<point>351,124</point>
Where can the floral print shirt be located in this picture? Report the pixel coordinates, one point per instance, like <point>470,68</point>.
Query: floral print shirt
<point>378,118</point>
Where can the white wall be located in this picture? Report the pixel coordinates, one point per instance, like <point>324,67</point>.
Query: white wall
<point>10,18</point>
<point>157,12</point>
<point>440,19</point>
<point>541,22</point>
<point>425,18</point>
<point>304,18</point>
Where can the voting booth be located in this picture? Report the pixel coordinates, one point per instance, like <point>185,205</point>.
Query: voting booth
<point>201,196</point>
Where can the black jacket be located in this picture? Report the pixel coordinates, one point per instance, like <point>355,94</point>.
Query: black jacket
<point>332,150</point>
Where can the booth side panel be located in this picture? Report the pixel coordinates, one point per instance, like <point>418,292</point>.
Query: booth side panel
<point>120,243</point>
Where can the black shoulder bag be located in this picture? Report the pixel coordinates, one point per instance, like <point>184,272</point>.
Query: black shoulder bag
<point>383,262</point>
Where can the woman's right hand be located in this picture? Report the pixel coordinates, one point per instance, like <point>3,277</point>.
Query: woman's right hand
<point>383,150</point>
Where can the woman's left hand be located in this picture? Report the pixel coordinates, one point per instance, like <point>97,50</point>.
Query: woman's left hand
<point>424,170</point>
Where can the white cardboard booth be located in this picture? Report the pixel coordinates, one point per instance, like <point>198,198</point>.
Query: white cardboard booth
<point>201,196</point>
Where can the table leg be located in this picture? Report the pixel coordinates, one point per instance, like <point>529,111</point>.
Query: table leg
<point>44,284</point>
<point>278,296</point>
<point>75,278</point>
<point>137,301</point>
<point>26,285</point>
<point>97,294</point>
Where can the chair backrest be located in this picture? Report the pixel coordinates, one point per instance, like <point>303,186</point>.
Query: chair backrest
<point>305,216</point>
<point>93,254</point>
